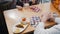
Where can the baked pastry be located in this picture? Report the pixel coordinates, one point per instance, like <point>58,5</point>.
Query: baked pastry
<point>20,26</point>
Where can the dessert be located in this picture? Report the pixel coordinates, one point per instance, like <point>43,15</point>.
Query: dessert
<point>23,19</point>
<point>20,26</point>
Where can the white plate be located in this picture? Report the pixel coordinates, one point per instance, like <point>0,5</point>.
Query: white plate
<point>20,29</point>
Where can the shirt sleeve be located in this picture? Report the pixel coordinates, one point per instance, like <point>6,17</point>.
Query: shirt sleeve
<point>40,29</point>
<point>53,30</point>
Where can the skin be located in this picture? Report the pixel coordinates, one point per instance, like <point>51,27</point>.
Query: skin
<point>45,16</point>
<point>33,1</point>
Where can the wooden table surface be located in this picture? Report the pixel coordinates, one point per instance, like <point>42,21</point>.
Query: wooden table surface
<point>26,12</point>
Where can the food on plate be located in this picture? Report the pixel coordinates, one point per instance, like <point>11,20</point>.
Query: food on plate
<point>23,19</point>
<point>24,22</point>
<point>20,26</point>
<point>17,31</point>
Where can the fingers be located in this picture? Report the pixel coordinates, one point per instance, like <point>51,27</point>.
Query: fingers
<point>45,16</point>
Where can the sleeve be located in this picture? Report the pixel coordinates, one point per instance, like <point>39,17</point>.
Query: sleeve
<point>54,30</point>
<point>40,29</point>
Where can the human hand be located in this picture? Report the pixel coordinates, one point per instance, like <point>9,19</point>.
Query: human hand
<point>45,16</point>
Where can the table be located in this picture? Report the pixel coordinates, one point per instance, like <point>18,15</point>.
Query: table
<point>11,21</point>
<point>25,13</point>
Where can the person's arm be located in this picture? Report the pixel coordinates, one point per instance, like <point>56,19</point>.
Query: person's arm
<point>40,29</point>
<point>54,30</point>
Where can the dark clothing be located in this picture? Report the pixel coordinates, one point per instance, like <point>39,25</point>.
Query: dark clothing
<point>20,3</point>
<point>7,5</point>
<point>3,26</point>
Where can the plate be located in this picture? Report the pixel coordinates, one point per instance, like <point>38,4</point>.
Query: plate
<point>18,30</point>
